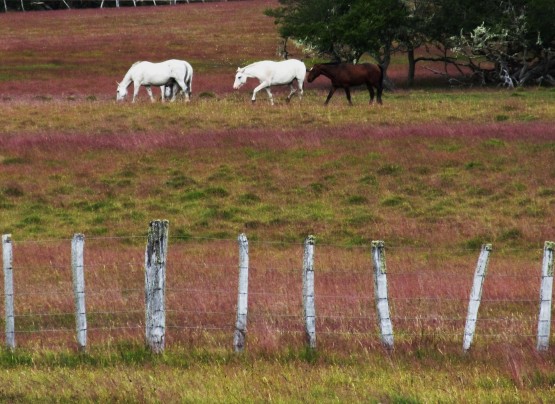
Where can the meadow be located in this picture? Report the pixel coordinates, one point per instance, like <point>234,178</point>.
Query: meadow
<point>435,172</point>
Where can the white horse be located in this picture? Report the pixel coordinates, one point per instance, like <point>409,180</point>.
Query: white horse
<point>175,73</point>
<point>272,73</point>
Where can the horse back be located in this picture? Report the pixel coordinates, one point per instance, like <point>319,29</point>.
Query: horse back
<point>276,73</point>
<point>349,74</point>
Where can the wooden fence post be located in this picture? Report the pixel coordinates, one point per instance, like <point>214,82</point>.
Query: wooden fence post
<point>476,296</point>
<point>242,297</point>
<point>77,265</point>
<point>380,291</point>
<point>7,258</point>
<point>155,284</point>
<point>546,295</point>
<point>308,292</point>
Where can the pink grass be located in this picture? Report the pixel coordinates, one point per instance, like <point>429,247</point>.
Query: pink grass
<point>61,143</point>
<point>96,47</point>
<point>428,297</point>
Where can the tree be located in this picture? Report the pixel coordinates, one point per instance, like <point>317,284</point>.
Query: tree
<point>513,48</point>
<point>343,29</point>
<point>413,33</point>
<point>433,24</point>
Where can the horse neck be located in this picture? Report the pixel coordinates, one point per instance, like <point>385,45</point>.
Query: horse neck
<point>127,79</point>
<point>326,70</point>
<point>247,70</point>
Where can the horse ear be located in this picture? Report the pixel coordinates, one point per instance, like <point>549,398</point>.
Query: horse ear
<point>117,83</point>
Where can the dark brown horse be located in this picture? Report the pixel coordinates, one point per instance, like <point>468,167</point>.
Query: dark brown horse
<point>345,75</point>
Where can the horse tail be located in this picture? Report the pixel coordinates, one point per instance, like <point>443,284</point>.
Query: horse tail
<point>189,78</point>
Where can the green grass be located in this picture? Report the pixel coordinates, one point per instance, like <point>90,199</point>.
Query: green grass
<point>129,372</point>
<point>277,180</point>
<point>205,114</point>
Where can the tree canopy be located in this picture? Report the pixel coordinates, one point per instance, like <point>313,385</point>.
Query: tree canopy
<point>506,41</point>
<point>343,29</point>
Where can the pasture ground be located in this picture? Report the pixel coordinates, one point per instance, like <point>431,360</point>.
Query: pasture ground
<point>434,172</point>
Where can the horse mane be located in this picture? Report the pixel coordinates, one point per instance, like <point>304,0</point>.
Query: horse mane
<point>252,64</point>
<point>127,77</point>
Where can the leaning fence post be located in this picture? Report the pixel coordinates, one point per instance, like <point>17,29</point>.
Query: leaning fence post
<point>7,258</point>
<point>308,292</point>
<point>380,291</point>
<point>476,296</point>
<point>77,264</point>
<point>242,298</point>
<point>546,295</point>
<point>155,284</point>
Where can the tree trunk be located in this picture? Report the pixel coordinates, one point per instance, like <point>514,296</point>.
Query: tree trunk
<point>385,61</point>
<point>412,67</point>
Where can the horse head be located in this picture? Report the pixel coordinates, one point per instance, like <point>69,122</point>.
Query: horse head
<point>240,78</point>
<point>313,73</point>
<point>121,92</point>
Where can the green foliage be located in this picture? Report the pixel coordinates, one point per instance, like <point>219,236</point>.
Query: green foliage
<point>540,16</point>
<point>343,29</point>
<point>508,34</point>
<point>516,39</point>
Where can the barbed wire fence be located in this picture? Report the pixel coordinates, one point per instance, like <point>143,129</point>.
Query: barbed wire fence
<point>427,295</point>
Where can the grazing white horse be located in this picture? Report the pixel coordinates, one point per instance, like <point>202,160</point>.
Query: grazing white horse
<point>175,73</point>
<point>271,73</point>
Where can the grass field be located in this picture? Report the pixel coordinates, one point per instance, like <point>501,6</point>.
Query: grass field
<point>435,172</point>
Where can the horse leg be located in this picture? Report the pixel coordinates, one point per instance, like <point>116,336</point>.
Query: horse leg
<point>189,89</point>
<point>163,93</point>
<point>300,85</point>
<point>293,91</point>
<point>187,94</point>
<point>136,88</point>
<point>371,91</point>
<point>176,89</point>
<point>149,91</point>
<point>257,89</point>
<point>270,95</point>
<point>183,87</point>
<point>380,90</point>
<point>348,94</point>
<point>329,95</point>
